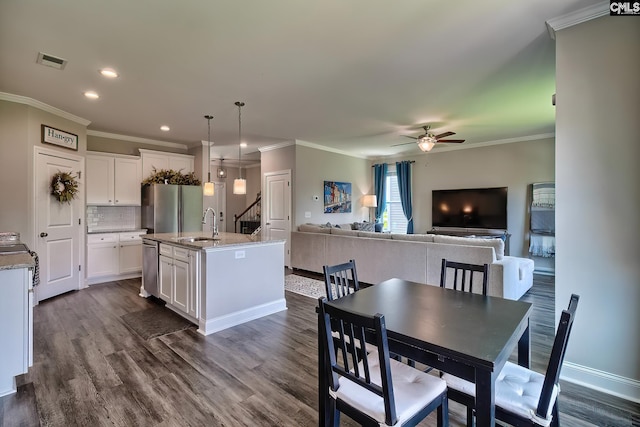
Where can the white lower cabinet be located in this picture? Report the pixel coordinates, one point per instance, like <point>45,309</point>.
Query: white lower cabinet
<point>102,255</point>
<point>16,326</point>
<point>111,255</point>
<point>179,283</point>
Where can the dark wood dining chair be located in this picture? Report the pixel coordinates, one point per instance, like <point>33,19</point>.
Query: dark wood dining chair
<point>524,397</point>
<point>463,275</point>
<point>340,279</point>
<point>374,390</point>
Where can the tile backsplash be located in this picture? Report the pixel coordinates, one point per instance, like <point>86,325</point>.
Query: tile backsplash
<point>113,218</point>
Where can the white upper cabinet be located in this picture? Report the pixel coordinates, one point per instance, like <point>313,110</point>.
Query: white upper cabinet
<point>113,180</point>
<point>161,160</point>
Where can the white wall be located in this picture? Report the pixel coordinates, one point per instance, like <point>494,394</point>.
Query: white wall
<point>315,166</point>
<point>598,200</point>
<point>20,131</point>
<point>514,166</point>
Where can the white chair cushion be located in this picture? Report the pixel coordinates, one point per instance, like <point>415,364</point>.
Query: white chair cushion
<point>517,391</point>
<point>412,389</point>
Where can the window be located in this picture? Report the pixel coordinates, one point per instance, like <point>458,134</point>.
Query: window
<point>393,217</point>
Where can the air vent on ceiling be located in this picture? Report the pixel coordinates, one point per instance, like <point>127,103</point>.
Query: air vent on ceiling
<point>51,61</point>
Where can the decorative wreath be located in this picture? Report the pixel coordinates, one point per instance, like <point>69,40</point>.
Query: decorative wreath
<point>64,187</point>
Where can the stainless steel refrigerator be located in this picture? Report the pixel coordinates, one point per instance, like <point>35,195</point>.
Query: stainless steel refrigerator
<point>170,208</point>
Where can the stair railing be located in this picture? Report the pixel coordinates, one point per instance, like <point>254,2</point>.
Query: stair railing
<point>250,217</point>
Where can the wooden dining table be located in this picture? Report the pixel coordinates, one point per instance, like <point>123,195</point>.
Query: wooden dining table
<point>461,333</point>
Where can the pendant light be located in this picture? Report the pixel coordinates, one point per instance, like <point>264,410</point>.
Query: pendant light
<point>239,184</point>
<point>208,189</point>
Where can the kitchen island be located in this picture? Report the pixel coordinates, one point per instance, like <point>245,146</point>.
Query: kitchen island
<point>218,283</point>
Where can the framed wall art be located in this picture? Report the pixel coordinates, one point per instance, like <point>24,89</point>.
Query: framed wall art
<point>59,137</point>
<point>337,197</point>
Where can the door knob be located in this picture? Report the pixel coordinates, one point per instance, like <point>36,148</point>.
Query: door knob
<point>44,234</point>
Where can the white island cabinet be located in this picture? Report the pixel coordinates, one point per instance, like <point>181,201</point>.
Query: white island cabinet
<point>179,284</point>
<point>220,283</point>
<point>16,319</point>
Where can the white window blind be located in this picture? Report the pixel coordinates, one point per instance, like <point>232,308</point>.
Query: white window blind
<point>393,217</point>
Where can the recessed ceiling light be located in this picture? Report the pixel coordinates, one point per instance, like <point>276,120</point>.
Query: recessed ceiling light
<point>91,94</point>
<point>109,73</point>
<point>165,128</point>
<point>243,144</point>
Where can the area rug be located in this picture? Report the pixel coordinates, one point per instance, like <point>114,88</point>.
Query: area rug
<point>304,286</point>
<point>155,321</point>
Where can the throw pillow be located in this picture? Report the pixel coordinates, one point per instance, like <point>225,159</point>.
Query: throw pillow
<point>367,226</point>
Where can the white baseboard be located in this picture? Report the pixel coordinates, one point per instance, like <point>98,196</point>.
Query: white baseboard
<point>625,388</point>
<point>112,278</point>
<point>233,319</point>
<point>545,271</point>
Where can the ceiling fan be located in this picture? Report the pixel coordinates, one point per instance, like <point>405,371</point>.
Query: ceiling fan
<point>427,140</point>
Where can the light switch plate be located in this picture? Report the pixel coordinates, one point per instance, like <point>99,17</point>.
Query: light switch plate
<point>307,214</point>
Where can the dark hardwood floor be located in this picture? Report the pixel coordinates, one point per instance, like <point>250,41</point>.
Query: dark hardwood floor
<point>91,370</point>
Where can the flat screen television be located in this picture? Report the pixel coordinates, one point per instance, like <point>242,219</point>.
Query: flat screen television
<point>470,208</point>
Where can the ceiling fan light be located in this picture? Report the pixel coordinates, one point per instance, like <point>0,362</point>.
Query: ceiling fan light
<point>426,143</point>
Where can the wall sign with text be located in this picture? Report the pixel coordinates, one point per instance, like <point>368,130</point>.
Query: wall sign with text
<point>60,138</point>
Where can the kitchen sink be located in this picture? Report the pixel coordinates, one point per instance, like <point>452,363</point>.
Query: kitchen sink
<point>198,239</point>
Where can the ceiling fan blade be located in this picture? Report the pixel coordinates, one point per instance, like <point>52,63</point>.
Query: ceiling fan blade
<point>404,143</point>
<point>412,137</point>
<point>445,134</point>
<point>451,141</point>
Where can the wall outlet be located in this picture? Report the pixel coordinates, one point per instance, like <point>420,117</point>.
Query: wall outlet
<point>240,254</point>
<point>307,214</point>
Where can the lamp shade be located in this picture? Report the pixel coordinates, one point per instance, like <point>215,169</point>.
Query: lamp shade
<point>426,144</point>
<point>239,186</point>
<point>208,189</point>
<point>369,201</point>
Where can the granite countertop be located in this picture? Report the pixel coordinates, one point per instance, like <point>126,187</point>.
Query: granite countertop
<point>223,240</point>
<point>141,230</point>
<point>13,261</point>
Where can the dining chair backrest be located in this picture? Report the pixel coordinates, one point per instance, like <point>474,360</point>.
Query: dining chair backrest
<point>558,351</point>
<point>351,327</point>
<point>340,279</point>
<point>463,275</point>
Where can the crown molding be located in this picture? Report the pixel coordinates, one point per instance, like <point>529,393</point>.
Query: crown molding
<point>329,149</point>
<point>576,17</point>
<point>44,107</point>
<point>276,146</point>
<point>442,148</point>
<point>496,142</point>
<point>136,139</point>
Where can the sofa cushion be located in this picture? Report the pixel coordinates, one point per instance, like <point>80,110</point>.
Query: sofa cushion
<point>312,228</point>
<point>343,232</point>
<point>496,244</point>
<point>413,237</point>
<point>374,235</point>
<point>348,226</point>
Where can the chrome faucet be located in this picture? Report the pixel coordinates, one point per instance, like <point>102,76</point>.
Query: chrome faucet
<point>214,225</point>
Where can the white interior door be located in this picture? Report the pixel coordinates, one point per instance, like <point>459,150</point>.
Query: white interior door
<point>58,225</point>
<point>219,203</point>
<point>277,209</point>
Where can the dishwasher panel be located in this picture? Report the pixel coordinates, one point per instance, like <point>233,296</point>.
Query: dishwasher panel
<point>150,267</point>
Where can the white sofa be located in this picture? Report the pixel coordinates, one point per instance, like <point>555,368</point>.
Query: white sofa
<point>415,257</point>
